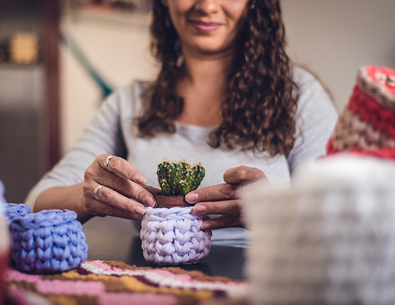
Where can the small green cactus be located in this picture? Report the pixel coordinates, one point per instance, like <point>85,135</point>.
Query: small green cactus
<point>179,178</point>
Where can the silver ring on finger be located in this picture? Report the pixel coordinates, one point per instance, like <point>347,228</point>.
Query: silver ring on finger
<point>107,161</point>
<point>96,190</point>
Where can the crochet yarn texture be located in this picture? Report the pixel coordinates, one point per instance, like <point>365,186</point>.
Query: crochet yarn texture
<point>368,121</point>
<point>14,209</point>
<point>173,236</point>
<point>48,241</point>
<point>329,238</point>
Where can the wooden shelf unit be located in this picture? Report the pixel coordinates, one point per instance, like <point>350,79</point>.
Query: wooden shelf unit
<point>29,99</point>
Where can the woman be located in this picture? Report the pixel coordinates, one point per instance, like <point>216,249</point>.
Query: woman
<point>226,95</point>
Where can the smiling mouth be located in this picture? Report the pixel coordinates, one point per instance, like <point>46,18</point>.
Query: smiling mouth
<point>205,27</point>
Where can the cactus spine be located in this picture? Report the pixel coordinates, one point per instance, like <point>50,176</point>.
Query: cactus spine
<point>179,178</point>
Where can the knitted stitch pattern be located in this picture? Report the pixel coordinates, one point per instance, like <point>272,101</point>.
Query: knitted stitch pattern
<point>368,121</point>
<point>14,209</point>
<point>173,236</point>
<point>327,239</point>
<point>47,242</point>
<point>116,283</point>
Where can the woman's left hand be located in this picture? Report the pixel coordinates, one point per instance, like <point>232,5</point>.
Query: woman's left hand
<point>224,199</point>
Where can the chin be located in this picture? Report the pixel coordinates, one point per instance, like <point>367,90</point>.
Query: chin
<point>211,49</point>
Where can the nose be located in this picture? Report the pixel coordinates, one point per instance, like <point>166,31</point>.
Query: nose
<point>207,6</point>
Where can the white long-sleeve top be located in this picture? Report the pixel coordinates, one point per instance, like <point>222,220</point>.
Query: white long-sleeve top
<point>112,132</point>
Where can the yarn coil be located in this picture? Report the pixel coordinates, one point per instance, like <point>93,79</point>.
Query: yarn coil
<point>329,238</point>
<point>367,123</point>
<point>48,241</point>
<point>173,236</point>
<point>14,209</point>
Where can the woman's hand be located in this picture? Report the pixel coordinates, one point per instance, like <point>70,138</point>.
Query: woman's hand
<point>112,186</point>
<point>224,199</point>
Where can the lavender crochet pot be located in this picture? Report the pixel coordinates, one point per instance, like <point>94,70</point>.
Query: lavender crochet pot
<point>173,236</point>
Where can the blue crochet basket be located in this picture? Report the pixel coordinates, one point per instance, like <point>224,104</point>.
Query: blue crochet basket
<point>48,241</point>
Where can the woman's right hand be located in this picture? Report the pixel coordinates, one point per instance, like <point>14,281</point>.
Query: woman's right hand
<point>122,189</point>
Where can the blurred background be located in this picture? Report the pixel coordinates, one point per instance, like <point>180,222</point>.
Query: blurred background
<point>60,58</point>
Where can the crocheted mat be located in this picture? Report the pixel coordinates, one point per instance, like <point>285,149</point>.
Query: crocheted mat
<point>113,282</point>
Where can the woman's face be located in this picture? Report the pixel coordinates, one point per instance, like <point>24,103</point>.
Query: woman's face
<point>207,27</point>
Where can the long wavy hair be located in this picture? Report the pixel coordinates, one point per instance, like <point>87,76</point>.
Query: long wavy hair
<point>258,110</point>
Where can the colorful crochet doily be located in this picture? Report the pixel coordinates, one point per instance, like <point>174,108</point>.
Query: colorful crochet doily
<point>113,282</point>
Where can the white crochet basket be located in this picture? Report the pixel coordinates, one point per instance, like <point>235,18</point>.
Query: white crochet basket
<point>173,236</point>
<point>327,239</point>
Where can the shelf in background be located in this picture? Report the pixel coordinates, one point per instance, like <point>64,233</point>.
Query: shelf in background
<point>136,18</point>
<point>11,66</point>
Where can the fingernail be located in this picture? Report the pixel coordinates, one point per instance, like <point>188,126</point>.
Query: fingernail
<point>205,226</point>
<point>139,210</point>
<point>150,201</point>
<point>140,179</point>
<point>192,197</point>
<point>199,209</point>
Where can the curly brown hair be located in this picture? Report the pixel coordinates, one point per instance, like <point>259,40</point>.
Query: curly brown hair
<point>258,111</point>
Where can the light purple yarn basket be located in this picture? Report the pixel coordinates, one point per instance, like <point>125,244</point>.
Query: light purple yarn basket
<point>48,241</point>
<point>173,236</point>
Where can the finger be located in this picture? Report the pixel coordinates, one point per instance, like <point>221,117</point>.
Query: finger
<point>151,189</point>
<point>120,184</point>
<point>101,209</point>
<point>209,232</point>
<point>224,221</point>
<point>232,207</point>
<point>121,167</point>
<point>216,192</point>
<point>112,203</point>
<point>243,175</point>
<point>128,188</point>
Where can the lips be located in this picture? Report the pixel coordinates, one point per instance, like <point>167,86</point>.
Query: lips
<point>205,27</point>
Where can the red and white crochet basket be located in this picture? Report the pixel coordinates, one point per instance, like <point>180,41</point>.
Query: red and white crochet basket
<point>367,124</point>
<point>4,250</point>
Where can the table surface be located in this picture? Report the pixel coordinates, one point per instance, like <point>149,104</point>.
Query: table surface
<point>222,260</point>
